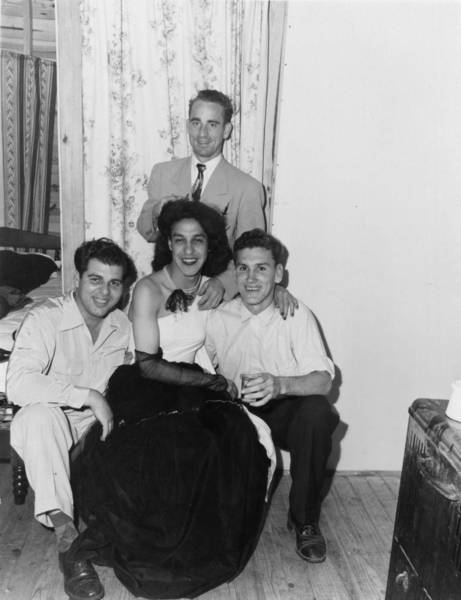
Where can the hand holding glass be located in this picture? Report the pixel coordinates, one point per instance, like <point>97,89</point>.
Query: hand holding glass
<point>246,379</point>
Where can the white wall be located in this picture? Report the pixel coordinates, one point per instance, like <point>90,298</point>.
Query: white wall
<point>368,200</point>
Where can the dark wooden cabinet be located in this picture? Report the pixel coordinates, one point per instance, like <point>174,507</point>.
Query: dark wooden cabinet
<point>426,551</point>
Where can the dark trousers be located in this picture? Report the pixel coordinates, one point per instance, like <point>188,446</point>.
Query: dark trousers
<point>303,426</point>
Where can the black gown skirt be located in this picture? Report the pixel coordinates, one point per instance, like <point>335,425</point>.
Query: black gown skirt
<point>174,499</point>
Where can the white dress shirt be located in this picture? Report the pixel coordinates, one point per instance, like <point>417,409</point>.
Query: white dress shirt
<point>240,342</point>
<point>54,359</point>
<point>207,173</point>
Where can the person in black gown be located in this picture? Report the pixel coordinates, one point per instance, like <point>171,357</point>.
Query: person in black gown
<point>174,499</point>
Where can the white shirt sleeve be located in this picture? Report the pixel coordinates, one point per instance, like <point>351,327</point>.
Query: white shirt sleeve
<point>27,375</point>
<point>307,344</point>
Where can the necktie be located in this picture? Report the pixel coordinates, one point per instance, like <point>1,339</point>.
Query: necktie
<point>198,183</point>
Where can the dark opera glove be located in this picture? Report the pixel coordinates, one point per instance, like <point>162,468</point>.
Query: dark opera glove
<point>153,366</point>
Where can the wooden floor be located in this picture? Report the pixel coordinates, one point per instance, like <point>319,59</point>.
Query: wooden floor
<point>357,521</point>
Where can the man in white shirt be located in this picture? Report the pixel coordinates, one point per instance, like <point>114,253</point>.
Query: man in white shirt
<point>207,177</point>
<point>284,374</point>
<point>64,354</point>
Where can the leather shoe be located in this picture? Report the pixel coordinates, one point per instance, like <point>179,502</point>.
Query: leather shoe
<point>81,582</point>
<point>310,543</point>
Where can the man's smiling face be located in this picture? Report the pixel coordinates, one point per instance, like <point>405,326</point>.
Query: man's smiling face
<point>207,130</point>
<point>257,275</point>
<point>99,290</point>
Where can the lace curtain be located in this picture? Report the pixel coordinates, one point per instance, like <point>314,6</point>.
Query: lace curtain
<point>142,62</point>
<point>28,87</point>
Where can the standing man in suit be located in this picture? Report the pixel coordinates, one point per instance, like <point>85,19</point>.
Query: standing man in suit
<point>206,176</point>
<point>236,195</point>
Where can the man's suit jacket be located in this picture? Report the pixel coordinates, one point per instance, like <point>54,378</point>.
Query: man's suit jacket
<point>236,195</point>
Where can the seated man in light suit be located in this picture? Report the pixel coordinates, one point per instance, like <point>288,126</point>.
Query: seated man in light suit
<point>64,354</point>
<point>284,374</point>
<point>236,195</point>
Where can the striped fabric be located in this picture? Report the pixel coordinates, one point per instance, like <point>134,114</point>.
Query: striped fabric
<point>28,113</point>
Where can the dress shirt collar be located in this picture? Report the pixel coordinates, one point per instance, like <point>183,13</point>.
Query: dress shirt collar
<point>72,317</point>
<point>263,317</point>
<point>210,167</point>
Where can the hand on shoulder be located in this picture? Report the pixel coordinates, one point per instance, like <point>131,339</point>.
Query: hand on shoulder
<point>284,301</point>
<point>212,293</point>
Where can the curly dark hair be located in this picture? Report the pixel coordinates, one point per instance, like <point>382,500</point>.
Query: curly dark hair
<point>212,223</point>
<point>257,238</point>
<point>108,252</point>
<point>217,98</point>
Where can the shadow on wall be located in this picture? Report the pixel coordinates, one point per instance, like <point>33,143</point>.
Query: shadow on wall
<point>342,427</point>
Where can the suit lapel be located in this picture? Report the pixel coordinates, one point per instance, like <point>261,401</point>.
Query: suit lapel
<point>218,191</point>
<point>218,184</point>
<point>179,181</point>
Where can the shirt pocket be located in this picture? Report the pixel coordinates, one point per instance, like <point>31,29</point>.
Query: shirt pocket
<point>113,356</point>
<point>64,368</point>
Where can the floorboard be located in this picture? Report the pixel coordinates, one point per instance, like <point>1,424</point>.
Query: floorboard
<point>357,521</point>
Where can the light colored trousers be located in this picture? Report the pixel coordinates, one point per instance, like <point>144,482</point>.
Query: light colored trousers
<point>43,435</point>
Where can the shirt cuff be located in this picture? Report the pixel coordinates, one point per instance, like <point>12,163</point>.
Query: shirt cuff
<point>78,397</point>
<point>324,364</point>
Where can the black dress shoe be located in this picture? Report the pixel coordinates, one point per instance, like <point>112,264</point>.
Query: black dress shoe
<point>81,582</point>
<point>310,543</point>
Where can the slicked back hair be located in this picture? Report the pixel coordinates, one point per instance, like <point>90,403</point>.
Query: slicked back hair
<point>217,98</point>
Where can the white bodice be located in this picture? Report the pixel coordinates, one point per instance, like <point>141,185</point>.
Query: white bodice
<point>182,333</point>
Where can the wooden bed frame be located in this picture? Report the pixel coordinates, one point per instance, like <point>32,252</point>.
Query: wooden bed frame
<point>17,238</point>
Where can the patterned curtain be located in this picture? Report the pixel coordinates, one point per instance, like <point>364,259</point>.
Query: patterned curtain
<point>142,62</point>
<point>28,113</point>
